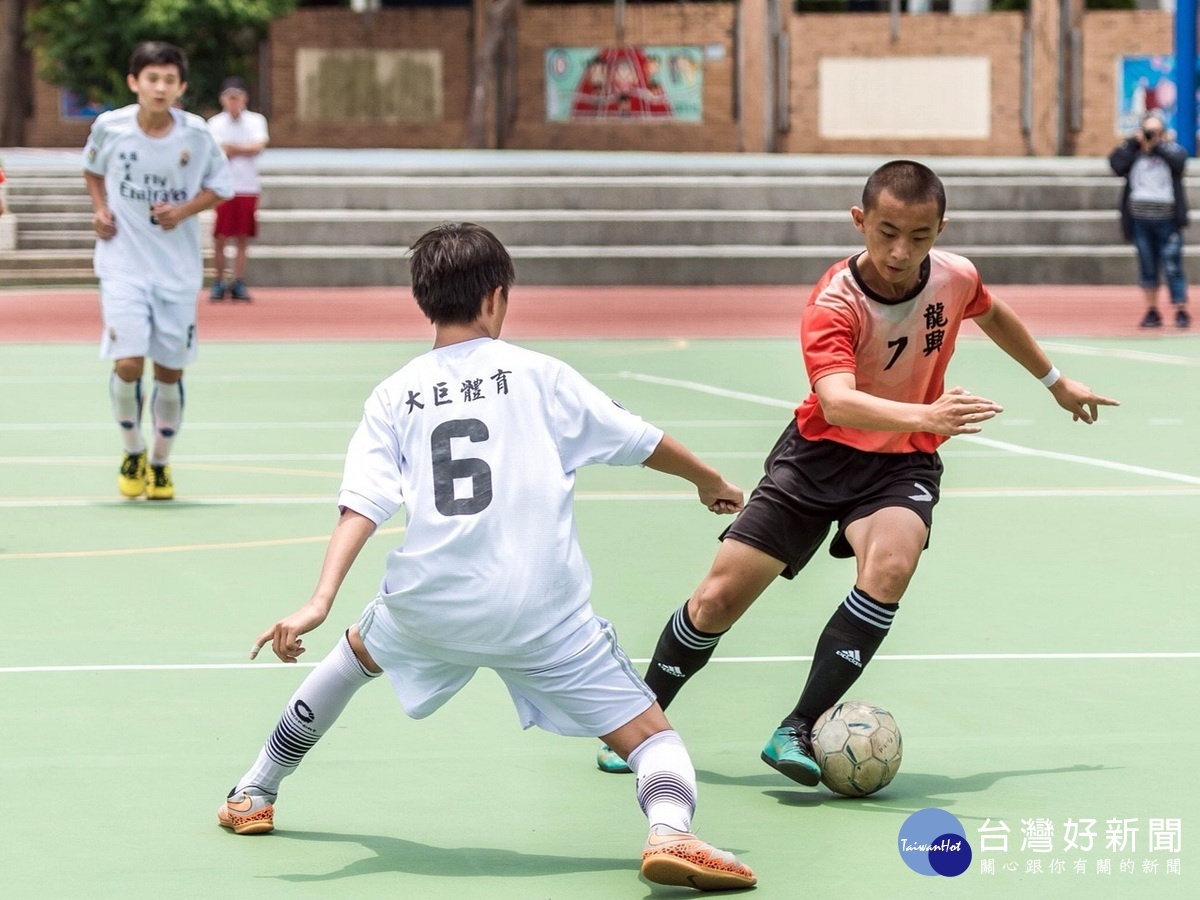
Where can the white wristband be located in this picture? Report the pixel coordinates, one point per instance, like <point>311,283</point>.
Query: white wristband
<point>1051,377</point>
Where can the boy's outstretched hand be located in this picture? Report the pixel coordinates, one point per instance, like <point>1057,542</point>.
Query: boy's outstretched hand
<point>1079,400</point>
<point>284,635</point>
<point>958,411</point>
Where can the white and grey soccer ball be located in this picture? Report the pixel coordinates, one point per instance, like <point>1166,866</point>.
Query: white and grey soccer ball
<point>858,747</point>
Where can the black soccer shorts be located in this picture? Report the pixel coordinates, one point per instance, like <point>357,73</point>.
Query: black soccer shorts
<point>810,485</point>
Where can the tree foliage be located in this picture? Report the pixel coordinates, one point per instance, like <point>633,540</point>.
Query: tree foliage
<point>84,45</point>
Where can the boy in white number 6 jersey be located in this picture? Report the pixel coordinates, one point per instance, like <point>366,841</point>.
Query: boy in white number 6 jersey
<point>479,441</point>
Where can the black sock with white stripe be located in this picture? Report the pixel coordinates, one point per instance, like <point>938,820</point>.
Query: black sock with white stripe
<point>849,640</point>
<point>682,651</point>
<point>312,710</point>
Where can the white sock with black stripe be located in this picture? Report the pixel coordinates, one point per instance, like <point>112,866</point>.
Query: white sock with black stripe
<point>166,409</point>
<point>666,781</point>
<point>312,710</point>
<point>126,400</point>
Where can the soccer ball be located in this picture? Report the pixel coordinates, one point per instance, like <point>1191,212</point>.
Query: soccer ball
<point>858,747</point>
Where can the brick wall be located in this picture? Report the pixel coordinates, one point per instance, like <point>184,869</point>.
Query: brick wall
<point>447,30</point>
<point>997,35</point>
<point>694,24</point>
<point>1106,36</point>
<point>46,128</point>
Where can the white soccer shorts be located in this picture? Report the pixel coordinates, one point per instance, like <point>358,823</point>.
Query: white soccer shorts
<point>585,687</point>
<point>140,320</point>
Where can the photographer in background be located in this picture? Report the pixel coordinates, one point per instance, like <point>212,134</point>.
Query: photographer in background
<point>1154,213</point>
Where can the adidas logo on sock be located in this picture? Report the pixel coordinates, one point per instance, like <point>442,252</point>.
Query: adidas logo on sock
<point>851,656</point>
<point>673,671</point>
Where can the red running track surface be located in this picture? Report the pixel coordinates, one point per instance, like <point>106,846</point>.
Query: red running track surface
<point>380,313</point>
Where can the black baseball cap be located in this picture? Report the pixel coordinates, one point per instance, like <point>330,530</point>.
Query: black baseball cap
<point>234,84</point>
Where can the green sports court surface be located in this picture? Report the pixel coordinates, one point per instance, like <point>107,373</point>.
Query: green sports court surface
<point>1044,668</point>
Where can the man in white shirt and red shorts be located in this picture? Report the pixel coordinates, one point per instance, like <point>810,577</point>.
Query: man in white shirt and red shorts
<point>242,135</point>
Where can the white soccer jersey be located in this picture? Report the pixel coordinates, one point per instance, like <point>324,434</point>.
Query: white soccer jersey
<point>248,128</point>
<point>138,171</point>
<point>480,441</point>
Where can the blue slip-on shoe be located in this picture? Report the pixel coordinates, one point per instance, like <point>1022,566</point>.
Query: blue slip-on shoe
<point>789,752</point>
<point>608,761</point>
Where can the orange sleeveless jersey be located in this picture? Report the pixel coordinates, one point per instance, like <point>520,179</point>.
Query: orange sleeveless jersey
<point>897,350</point>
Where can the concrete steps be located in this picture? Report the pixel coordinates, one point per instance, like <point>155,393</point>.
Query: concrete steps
<point>616,219</point>
<point>721,192</point>
<point>687,264</point>
<point>668,226</point>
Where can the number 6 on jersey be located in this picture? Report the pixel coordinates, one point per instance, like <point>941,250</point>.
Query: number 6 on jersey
<point>446,469</point>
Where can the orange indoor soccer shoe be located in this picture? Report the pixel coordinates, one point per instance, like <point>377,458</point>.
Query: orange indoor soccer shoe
<point>247,813</point>
<point>672,857</point>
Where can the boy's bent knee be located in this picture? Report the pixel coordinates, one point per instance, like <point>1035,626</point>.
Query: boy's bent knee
<point>130,368</point>
<point>360,649</point>
<point>886,580</point>
<point>716,605</point>
<point>738,576</point>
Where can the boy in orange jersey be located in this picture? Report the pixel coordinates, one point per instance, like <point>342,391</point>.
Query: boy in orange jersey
<point>877,334</point>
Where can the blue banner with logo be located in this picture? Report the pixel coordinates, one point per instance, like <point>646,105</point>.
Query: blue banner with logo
<point>1145,83</point>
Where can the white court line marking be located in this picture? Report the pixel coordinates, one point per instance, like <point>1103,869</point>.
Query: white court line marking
<point>209,459</point>
<point>1018,493</point>
<point>345,426</point>
<point>175,548</point>
<point>192,426</point>
<point>322,499</point>
<point>971,438</point>
<point>1118,353</point>
<point>960,657</point>
<point>261,377</point>
<point>176,458</point>
<point>910,657</point>
<point>340,457</point>
<point>711,389</point>
<point>1086,460</point>
<point>101,502</point>
<point>180,548</point>
<point>331,500</point>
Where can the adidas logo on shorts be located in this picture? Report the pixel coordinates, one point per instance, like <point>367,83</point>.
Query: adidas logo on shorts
<point>673,671</point>
<point>851,656</point>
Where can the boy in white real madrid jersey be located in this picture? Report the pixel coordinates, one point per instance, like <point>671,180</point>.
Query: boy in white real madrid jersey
<point>150,168</point>
<point>479,441</point>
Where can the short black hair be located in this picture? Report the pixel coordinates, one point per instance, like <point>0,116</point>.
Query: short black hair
<point>158,53</point>
<point>454,267</point>
<point>909,182</point>
<point>233,84</point>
